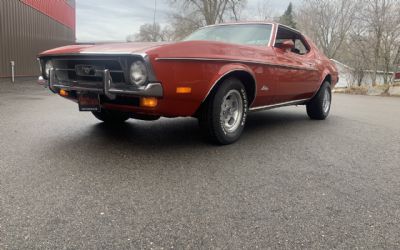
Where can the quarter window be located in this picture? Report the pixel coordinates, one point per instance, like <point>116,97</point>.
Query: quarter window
<point>300,45</point>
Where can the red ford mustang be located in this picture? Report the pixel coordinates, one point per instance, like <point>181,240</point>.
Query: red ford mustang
<point>217,74</point>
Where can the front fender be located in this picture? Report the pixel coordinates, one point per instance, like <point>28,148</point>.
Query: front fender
<point>227,70</point>
<point>200,75</point>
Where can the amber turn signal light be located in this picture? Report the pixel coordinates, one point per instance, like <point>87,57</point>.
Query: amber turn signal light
<point>148,102</point>
<point>63,93</point>
<point>183,90</point>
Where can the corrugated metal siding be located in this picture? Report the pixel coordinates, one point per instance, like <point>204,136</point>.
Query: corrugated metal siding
<point>59,10</point>
<point>24,32</point>
<point>71,3</point>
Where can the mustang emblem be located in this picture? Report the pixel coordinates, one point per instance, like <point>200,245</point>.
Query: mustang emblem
<point>85,70</point>
<point>264,88</point>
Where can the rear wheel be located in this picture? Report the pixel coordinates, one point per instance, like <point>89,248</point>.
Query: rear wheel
<point>223,115</point>
<point>319,107</point>
<point>111,116</point>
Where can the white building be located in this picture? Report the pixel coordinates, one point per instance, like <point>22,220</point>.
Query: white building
<point>347,76</point>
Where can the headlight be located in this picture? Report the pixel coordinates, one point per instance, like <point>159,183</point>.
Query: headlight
<point>138,73</point>
<point>48,66</point>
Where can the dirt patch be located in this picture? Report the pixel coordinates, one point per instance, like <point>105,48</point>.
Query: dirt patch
<point>381,90</point>
<point>394,91</point>
<point>352,90</point>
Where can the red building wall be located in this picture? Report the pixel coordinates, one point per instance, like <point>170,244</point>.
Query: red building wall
<point>28,27</point>
<point>58,10</point>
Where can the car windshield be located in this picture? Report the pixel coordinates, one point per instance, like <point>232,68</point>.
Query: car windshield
<point>247,34</point>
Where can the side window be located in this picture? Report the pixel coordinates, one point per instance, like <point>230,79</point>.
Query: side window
<point>300,46</point>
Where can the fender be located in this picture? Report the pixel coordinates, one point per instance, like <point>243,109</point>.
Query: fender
<point>227,70</point>
<point>325,74</point>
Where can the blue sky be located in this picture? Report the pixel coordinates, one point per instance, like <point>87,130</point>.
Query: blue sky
<point>103,20</point>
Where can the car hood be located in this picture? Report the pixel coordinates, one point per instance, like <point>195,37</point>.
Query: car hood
<point>105,48</point>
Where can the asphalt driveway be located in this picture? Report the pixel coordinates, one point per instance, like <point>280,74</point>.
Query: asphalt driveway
<point>69,181</point>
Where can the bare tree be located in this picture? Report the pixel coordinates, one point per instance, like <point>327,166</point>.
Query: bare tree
<point>381,22</point>
<point>391,40</point>
<point>211,11</point>
<point>168,34</point>
<point>328,22</point>
<point>288,18</point>
<point>235,9</point>
<point>356,51</point>
<point>152,33</point>
<point>265,12</point>
<point>390,52</point>
<point>192,14</point>
<point>148,33</point>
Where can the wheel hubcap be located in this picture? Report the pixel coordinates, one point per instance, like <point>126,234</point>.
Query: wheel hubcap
<point>231,110</point>
<point>326,104</point>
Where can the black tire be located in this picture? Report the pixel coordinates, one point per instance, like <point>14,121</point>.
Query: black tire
<point>111,116</point>
<point>213,113</point>
<point>318,108</point>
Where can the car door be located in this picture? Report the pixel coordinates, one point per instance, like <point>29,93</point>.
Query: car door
<point>295,70</point>
<point>306,59</point>
<point>290,76</point>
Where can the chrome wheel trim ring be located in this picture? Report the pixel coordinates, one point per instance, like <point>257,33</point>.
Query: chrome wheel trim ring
<point>231,111</point>
<point>326,103</point>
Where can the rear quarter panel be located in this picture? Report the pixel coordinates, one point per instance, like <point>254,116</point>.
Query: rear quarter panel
<point>325,65</point>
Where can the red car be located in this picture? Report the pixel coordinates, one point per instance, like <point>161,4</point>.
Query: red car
<point>397,76</point>
<point>217,74</point>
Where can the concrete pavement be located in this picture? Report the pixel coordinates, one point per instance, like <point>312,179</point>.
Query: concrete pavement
<point>69,181</point>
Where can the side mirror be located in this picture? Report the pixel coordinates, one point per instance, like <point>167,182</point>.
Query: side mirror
<point>287,45</point>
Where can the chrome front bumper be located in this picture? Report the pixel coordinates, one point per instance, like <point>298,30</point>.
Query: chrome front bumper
<point>106,87</point>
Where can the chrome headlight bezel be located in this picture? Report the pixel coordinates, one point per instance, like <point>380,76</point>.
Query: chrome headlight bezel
<point>138,73</point>
<point>40,66</point>
<point>47,66</point>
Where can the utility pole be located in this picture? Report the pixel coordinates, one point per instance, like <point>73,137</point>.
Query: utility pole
<point>154,21</point>
<point>12,71</point>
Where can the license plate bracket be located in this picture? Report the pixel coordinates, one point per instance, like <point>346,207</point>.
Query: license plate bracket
<point>89,102</point>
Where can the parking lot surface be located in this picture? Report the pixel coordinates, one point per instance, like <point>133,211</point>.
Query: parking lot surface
<point>69,181</point>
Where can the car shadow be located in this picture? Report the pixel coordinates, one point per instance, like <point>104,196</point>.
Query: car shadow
<point>186,131</point>
<point>165,132</point>
<point>274,119</point>
<point>167,140</point>
<point>183,132</point>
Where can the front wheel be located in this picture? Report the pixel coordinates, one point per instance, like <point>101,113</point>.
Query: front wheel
<point>111,116</point>
<point>318,108</point>
<point>223,115</point>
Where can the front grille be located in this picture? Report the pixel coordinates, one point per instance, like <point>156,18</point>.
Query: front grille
<point>70,69</point>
